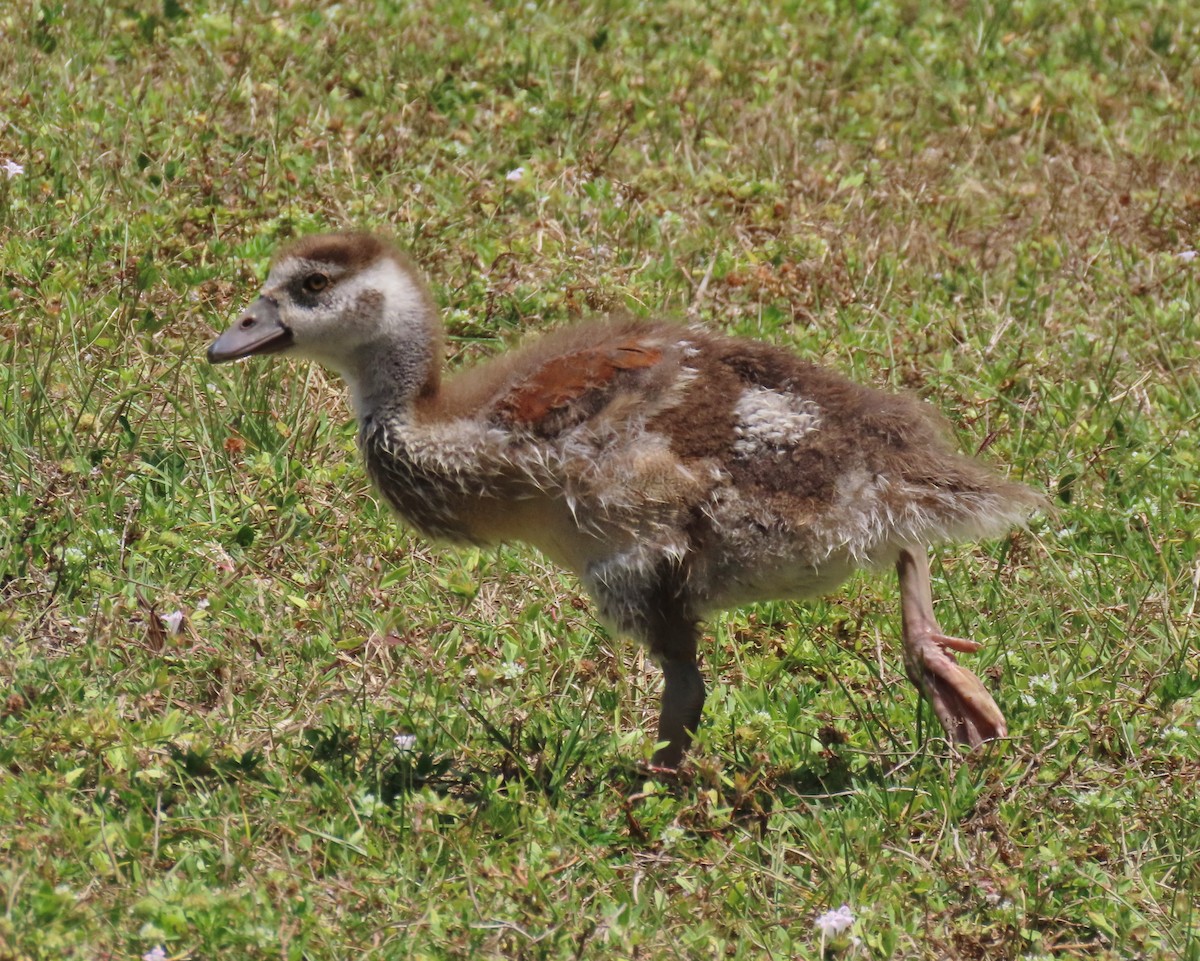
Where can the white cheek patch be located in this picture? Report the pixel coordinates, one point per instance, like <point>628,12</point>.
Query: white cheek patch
<point>402,298</point>
<point>771,421</point>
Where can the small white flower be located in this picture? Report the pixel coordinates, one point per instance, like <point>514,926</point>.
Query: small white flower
<point>174,622</point>
<point>156,953</point>
<point>511,670</point>
<point>12,169</point>
<point>202,604</point>
<point>672,834</point>
<point>368,804</point>
<point>833,923</point>
<point>1187,256</point>
<point>405,742</point>
<point>515,174</point>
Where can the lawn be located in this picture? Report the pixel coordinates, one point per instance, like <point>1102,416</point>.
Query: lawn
<point>244,714</point>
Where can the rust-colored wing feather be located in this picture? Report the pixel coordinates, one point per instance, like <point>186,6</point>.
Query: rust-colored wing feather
<point>580,381</point>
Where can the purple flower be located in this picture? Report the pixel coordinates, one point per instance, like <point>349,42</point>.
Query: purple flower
<point>833,923</point>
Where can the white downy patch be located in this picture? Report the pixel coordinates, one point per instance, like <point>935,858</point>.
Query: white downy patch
<point>770,421</point>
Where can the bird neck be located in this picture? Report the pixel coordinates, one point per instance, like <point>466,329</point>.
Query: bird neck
<point>394,377</point>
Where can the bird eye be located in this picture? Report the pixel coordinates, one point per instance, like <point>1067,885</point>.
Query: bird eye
<point>315,283</point>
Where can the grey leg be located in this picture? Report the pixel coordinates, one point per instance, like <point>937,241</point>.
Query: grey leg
<point>673,634</point>
<point>682,703</point>
<point>655,608</point>
<point>963,706</point>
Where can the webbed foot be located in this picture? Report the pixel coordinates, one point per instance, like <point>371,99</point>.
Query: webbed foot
<point>961,703</point>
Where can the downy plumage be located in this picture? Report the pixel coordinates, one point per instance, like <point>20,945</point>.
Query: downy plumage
<point>677,471</point>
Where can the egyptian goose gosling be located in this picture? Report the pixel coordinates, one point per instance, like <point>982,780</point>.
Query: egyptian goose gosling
<point>677,471</point>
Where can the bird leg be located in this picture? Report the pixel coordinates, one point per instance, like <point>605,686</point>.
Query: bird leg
<point>672,635</point>
<point>682,703</point>
<point>962,705</point>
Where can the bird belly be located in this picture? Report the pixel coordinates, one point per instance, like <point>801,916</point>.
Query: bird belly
<point>786,580</point>
<point>547,525</point>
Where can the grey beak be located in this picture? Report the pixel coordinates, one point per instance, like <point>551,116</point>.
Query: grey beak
<point>257,331</point>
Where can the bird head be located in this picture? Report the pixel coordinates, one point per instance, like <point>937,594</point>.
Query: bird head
<point>331,298</point>
<point>350,302</point>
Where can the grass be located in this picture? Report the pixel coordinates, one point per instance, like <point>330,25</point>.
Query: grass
<point>992,204</point>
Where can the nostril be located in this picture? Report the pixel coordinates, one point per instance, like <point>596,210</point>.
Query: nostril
<point>246,323</point>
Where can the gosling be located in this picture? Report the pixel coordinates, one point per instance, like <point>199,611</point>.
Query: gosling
<point>678,472</point>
